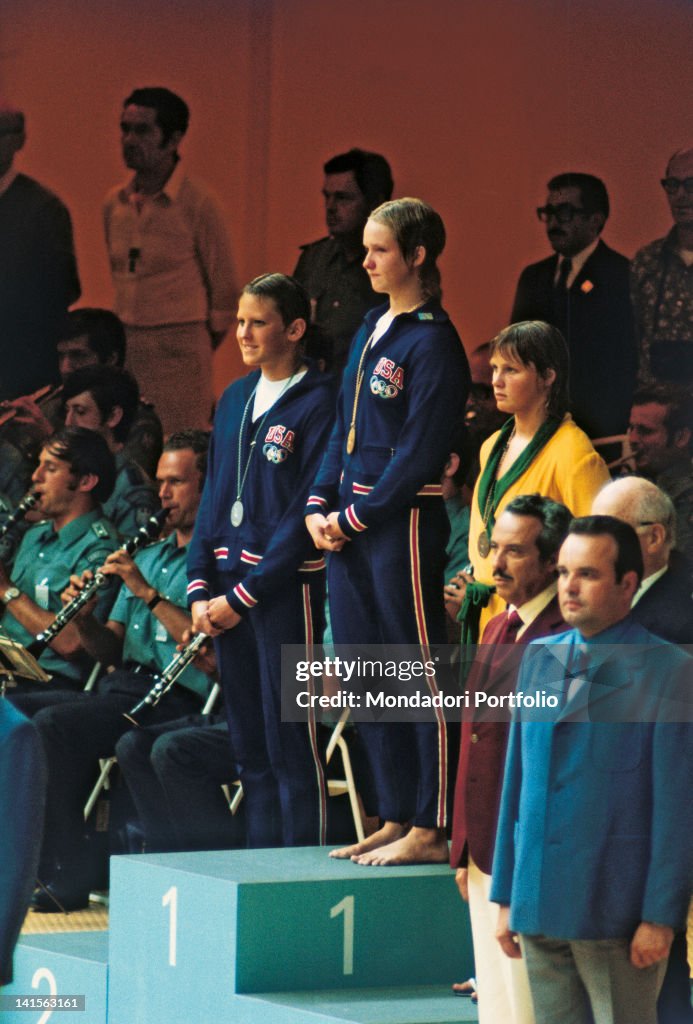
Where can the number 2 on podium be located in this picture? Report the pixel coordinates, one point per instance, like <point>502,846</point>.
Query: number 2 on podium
<point>346,907</point>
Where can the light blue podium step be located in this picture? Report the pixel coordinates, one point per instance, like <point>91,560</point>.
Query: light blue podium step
<point>432,1004</point>
<point>55,965</point>
<point>190,931</point>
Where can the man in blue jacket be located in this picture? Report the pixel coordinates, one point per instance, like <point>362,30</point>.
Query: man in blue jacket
<point>594,864</point>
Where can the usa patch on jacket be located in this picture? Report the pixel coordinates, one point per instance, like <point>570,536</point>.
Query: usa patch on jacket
<point>388,379</point>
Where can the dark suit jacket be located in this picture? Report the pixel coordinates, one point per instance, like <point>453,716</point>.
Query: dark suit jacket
<point>482,744</point>
<point>596,319</point>
<point>666,609</point>
<point>38,281</point>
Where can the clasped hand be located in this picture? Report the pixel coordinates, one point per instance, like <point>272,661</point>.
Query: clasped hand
<point>326,532</point>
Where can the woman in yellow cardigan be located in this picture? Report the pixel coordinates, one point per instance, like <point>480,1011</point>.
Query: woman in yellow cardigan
<point>540,450</point>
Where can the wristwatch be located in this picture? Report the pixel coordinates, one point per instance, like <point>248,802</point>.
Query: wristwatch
<point>10,594</point>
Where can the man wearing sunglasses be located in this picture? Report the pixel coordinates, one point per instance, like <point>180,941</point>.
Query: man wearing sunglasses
<point>583,290</point>
<point>662,283</point>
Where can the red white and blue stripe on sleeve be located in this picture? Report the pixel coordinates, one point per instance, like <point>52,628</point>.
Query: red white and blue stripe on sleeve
<point>316,503</point>
<point>198,590</point>
<point>349,521</point>
<point>240,598</point>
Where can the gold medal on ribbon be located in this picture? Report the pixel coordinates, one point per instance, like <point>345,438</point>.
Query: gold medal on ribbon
<point>483,544</point>
<point>351,439</point>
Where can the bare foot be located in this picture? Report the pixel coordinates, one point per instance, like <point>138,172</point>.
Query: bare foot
<point>418,846</point>
<point>466,988</point>
<point>388,833</point>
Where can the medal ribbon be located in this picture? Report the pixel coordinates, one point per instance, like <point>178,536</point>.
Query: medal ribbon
<point>240,480</point>
<point>491,490</point>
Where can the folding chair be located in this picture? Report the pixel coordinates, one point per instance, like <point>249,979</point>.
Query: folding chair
<point>337,787</point>
<point>622,439</point>
<point>106,764</point>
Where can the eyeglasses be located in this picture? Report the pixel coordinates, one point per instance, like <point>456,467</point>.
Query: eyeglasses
<point>672,185</point>
<point>563,213</point>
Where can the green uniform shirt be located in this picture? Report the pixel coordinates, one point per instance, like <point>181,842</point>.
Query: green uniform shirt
<point>456,549</point>
<point>163,565</point>
<point>45,560</point>
<point>134,498</point>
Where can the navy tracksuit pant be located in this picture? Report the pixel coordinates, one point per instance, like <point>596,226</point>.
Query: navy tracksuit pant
<point>279,764</point>
<point>386,587</point>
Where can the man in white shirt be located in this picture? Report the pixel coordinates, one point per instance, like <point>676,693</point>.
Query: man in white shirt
<point>170,261</point>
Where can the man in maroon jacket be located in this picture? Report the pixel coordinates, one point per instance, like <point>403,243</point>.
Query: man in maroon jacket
<point>524,544</point>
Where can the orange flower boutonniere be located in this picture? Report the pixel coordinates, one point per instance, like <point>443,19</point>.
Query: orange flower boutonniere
<point>586,287</point>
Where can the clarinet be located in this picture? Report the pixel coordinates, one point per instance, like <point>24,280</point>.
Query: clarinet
<point>8,411</point>
<point>144,535</point>
<point>28,502</point>
<point>165,680</point>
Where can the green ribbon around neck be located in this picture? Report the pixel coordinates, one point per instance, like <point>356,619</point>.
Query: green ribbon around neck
<point>491,490</point>
<point>476,597</point>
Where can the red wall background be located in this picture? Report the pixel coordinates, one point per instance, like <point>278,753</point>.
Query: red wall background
<point>476,103</point>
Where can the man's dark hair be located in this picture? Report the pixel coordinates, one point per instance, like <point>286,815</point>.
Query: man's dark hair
<point>104,332</point>
<point>628,551</point>
<point>86,452</point>
<point>172,113</point>
<point>678,402</point>
<point>555,520</point>
<point>198,441</point>
<point>109,386</point>
<point>593,194</point>
<point>371,171</point>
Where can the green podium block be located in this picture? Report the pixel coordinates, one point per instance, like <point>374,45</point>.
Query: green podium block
<point>432,1004</point>
<point>191,931</point>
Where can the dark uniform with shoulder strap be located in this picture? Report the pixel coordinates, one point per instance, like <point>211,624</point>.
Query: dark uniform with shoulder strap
<point>340,293</point>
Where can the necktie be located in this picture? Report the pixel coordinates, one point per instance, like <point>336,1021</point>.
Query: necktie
<point>510,628</point>
<point>507,636</point>
<point>578,671</point>
<point>500,663</point>
<point>563,274</point>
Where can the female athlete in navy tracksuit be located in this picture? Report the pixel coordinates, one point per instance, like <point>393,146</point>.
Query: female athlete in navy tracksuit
<point>255,581</point>
<point>376,504</point>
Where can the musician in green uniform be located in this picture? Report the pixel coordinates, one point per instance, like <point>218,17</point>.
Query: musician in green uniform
<point>75,473</point>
